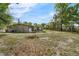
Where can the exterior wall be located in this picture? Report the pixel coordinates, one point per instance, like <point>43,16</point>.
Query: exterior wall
<point>22,28</point>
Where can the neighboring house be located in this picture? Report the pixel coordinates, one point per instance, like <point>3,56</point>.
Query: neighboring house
<point>23,28</point>
<point>2,30</point>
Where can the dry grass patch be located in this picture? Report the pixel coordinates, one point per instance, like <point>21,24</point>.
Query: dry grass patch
<point>40,44</point>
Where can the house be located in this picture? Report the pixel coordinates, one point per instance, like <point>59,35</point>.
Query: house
<point>23,28</point>
<point>2,30</point>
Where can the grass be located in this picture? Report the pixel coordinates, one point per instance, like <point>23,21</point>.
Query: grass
<point>51,43</point>
<point>2,35</point>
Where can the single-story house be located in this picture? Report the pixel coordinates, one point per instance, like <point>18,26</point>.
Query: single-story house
<point>2,30</point>
<point>23,28</point>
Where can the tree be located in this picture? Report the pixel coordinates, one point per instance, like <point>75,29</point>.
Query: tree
<point>5,18</point>
<point>66,14</point>
<point>43,25</point>
<point>73,17</point>
<point>29,23</point>
<point>26,23</point>
<point>61,9</point>
<point>35,24</point>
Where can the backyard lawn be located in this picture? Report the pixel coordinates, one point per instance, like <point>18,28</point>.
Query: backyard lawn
<point>51,43</point>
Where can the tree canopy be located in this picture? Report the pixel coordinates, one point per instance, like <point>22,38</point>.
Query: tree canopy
<point>66,14</point>
<point>5,18</point>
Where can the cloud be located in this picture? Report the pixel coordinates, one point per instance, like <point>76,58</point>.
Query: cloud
<point>47,16</point>
<point>40,19</point>
<point>18,10</point>
<point>26,12</point>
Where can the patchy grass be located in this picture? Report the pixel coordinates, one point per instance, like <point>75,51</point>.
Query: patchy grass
<point>32,44</point>
<point>32,37</point>
<point>2,35</point>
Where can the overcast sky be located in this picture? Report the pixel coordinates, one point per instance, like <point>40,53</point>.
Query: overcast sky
<point>32,12</point>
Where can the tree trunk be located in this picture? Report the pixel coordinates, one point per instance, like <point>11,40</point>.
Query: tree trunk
<point>61,25</point>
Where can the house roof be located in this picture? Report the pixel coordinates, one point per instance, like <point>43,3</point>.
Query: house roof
<point>15,25</point>
<point>19,25</point>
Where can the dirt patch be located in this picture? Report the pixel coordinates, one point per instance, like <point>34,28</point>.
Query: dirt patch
<point>63,44</point>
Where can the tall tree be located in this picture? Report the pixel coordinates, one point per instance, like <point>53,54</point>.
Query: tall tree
<point>30,23</point>
<point>5,18</point>
<point>66,14</point>
<point>43,25</point>
<point>61,9</point>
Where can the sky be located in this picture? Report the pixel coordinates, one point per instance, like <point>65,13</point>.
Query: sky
<point>32,12</point>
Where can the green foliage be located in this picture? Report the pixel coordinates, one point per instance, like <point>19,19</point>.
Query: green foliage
<point>27,23</point>
<point>66,14</point>
<point>5,18</point>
